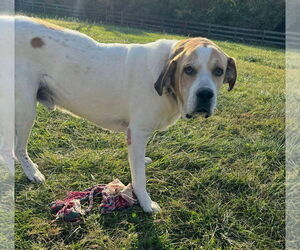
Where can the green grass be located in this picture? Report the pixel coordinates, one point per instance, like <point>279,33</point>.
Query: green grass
<point>219,181</point>
<point>6,209</point>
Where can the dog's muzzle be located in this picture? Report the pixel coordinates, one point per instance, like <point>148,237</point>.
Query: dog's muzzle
<point>204,102</point>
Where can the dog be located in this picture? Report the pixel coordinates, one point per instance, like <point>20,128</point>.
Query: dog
<point>134,88</point>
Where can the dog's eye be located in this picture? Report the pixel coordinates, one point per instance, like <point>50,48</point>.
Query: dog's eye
<point>189,70</point>
<point>218,71</point>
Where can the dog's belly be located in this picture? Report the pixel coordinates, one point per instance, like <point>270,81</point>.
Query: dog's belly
<point>116,122</point>
<point>117,125</point>
<point>101,108</point>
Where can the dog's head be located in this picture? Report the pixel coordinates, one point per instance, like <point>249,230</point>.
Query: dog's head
<point>194,74</point>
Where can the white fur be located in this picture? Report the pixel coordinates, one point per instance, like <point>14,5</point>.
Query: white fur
<point>111,85</point>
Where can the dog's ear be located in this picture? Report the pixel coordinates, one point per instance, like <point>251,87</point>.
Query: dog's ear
<point>231,73</point>
<point>166,77</point>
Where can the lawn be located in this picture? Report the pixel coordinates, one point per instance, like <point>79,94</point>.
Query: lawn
<point>219,181</point>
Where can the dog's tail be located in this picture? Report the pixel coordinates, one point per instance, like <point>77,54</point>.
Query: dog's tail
<point>45,95</point>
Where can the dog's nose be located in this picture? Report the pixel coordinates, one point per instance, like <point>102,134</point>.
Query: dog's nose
<point>205,94</point>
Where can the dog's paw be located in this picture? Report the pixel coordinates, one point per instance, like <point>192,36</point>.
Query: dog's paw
<point>153,207</point>
<point>148,160</point>
<point>34,175</point>
<point>38,177</point>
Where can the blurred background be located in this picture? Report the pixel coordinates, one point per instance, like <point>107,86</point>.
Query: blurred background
<point>254,21</point>
<point>257,14</point>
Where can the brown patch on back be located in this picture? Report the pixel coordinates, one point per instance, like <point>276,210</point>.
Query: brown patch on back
<point>47,24</point>
<point>37,42</point>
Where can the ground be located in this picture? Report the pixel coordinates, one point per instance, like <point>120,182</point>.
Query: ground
<point>219,181</point>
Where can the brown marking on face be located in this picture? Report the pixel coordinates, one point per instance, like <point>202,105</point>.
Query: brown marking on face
<point>47,24</point>
<point>188,56</point>
<point>217,60</point>
<point>184,53</point>
<point>188,45</point>
<point>183,81</point>
<point>168,77</point>
<point>37,42</point>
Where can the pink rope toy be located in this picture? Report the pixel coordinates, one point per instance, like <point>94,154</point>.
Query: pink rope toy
<point>115,197</point>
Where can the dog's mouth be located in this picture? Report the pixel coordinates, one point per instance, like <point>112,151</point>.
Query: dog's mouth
<point>204,112</point>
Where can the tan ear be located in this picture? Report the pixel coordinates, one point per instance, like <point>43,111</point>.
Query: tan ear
<point>231,73</point>
<point>166,77</point>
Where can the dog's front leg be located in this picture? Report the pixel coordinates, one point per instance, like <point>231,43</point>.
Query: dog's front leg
<point>136,140</point>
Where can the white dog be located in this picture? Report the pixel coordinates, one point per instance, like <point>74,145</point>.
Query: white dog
<point>135,88</point>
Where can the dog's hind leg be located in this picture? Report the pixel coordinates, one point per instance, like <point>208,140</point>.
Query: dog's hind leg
<point>23,125</point>
<point>25,115</point>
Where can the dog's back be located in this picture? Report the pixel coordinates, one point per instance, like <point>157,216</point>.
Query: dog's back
<point>111,85</point>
